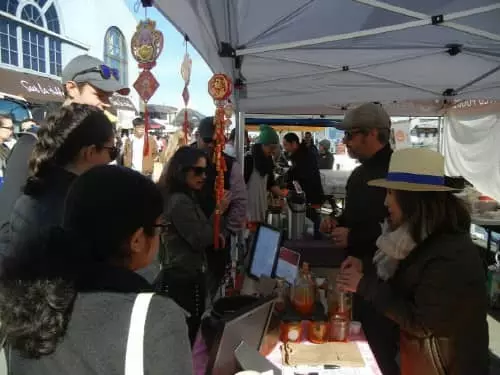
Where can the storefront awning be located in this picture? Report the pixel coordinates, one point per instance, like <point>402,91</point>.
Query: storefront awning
<point>31,87</point>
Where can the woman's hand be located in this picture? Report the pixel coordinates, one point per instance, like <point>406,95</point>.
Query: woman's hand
<point>352,262</point>
<point>348,280</point>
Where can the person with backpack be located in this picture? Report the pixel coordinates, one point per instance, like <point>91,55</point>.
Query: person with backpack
<point>259,174</point>
<point>73,303</point>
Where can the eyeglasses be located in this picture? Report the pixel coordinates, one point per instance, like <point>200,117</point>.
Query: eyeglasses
<point>106,72</point>
<point>350,134</point>
<point>7,127</point>
<point>113,151</point>
<point>198,171</point>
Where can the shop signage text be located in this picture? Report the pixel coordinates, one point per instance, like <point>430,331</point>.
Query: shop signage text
<point>39,88</point>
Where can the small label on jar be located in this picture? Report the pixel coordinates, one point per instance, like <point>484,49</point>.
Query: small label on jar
<point>293,334</point>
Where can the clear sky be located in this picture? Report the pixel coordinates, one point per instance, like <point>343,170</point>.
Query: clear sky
<point>167,70</point>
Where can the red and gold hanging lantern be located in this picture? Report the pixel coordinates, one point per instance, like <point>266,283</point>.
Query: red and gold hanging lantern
<point>220,88</point>
<point>146,46</point>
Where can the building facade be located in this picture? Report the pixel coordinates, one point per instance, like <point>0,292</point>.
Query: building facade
<point>38,37</point>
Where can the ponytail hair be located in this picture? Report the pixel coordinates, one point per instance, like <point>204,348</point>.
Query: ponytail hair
<point>61,139</point>
<point>37,296</point>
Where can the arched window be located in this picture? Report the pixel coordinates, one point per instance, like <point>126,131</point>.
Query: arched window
<point>115,52</point>
<point>39,51</point>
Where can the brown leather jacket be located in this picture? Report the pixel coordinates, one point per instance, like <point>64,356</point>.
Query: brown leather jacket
<point>438,298</point>
<point>147,161</point>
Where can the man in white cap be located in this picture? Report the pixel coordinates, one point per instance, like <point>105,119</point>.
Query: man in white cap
<point>367,130</point>
<point>86,80</point>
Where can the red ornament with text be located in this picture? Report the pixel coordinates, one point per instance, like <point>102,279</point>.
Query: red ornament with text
<point>146,46</point>
<point>220,88</point>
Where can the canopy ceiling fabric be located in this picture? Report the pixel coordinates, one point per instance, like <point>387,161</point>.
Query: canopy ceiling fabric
<point>319,56</point>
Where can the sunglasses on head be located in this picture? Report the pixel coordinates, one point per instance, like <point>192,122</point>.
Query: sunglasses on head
<point>198,171</point>
<point>113,151</point>
<point>105,71</point>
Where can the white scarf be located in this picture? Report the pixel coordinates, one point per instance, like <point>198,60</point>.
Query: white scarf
<point>393,246</point>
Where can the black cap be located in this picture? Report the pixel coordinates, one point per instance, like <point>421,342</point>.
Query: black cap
<point>79,64</point>
<point>206,129</point>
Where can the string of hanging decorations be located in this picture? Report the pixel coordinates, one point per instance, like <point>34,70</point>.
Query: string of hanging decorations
<point>186,76</point>
<point>220,88</point>
<point>146,46</point>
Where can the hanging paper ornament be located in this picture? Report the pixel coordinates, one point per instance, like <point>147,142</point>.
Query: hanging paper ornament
<point>220,88</point>
<point>186,76</point>
<point>146,45</point>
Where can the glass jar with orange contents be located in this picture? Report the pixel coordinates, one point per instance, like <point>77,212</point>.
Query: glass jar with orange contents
<point>291,329</point>
<point>318,331</point>
<point>303,292</point>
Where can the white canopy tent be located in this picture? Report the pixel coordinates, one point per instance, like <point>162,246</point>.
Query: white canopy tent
<point>318,56</point>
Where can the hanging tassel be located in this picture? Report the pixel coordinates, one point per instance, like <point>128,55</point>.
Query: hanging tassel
<point>146,131</point>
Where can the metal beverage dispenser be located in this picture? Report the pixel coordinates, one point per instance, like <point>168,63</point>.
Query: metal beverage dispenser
<point>296,212</point>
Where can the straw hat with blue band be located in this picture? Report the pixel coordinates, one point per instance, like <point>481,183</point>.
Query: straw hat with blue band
<point>415,169</point>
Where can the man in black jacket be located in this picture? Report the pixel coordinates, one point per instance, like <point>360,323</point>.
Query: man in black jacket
<point>367,131</point>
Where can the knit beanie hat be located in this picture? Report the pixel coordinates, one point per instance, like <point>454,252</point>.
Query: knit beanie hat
<point>325,143</point>
<point>268,136</point>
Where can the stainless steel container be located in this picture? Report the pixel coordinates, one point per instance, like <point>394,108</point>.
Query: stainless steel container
<point>296,215</point>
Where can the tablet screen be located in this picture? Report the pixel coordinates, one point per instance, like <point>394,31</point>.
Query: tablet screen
<point>266,248</point>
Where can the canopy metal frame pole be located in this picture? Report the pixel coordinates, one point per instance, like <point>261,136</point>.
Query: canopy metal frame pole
<point>423,20</point>
<point>336,69</point>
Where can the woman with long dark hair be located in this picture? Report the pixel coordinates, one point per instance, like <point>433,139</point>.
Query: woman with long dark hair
<point>72,141</point>
<point>190,232</point>
<point>429,275</point>
<point>66,300</point>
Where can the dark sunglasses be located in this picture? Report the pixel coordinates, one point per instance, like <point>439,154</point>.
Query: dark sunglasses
<point>106,72</point>
<point>198,171</point>
<point>350,134</point>
<point>113,151</point>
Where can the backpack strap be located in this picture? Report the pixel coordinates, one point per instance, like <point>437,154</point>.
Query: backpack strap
<point>134,356</point>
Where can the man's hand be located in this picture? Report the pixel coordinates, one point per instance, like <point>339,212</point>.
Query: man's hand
<point>328,225</point>
<point>352,262</point>
<point>340,237</point>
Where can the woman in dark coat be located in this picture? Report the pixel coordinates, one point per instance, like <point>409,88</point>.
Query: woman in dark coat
<point>429,275</point>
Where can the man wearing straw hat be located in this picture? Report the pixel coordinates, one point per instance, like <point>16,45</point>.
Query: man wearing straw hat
<point>366,135</point>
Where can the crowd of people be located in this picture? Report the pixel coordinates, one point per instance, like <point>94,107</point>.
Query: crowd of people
<point>78,234</point>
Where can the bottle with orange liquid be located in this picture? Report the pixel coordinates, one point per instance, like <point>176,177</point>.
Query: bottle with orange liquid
<point>303,293</point>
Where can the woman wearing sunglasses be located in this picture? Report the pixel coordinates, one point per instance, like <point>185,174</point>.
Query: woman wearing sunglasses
<point>189,233</point>
<point>66,304</point>
<point>74,140</point>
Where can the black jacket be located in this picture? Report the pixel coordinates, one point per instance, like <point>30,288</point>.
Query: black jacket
<point>364,208</point>
<point>326,160</point>
<point>438,299</point>
<point>33,214</point>
<point>305,170</point>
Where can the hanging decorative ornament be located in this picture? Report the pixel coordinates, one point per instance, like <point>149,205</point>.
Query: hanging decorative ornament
<point>186,76</point>
<point>220,88</point>
<point>146,46</point>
